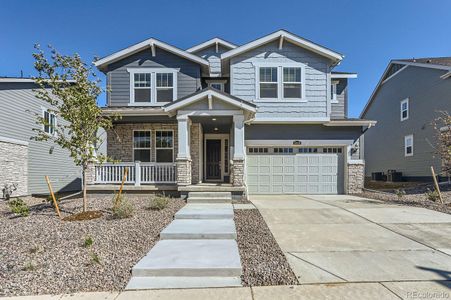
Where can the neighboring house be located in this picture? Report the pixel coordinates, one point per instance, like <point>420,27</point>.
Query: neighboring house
<point>409,96</point>
<point>266,117</point>
<point>23,161</point>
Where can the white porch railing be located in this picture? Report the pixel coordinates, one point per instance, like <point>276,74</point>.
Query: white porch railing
<point>138,172</point>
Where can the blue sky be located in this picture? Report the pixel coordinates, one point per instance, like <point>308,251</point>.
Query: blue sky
<point>369,33</point>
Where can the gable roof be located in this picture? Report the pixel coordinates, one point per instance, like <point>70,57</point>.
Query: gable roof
<point>149,43</point>
<point>284,35</point>
<point>435,63</point>
<point>209,92</point>
<point>211,42</point>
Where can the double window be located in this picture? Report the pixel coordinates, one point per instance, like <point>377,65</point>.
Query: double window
<point>404,109</point>
<point>50,122</point>
<point>164,145</point>
<point>280,83</point>
<point>152,86</point>
<point>408,145</point>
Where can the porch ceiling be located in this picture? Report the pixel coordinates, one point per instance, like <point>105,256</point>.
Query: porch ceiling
<point>222,124</point>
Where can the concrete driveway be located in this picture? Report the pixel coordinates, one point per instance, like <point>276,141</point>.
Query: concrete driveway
<point>340,238</point>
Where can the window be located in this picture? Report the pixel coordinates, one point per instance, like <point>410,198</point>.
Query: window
<point>50,122</point>
<point>333,92</point>
<point>216,85</point>
<point>141,146</point>
<point>283,150</point>
<point>165,87</point>
<point>268,83</point>
<point>142,88</point>
<point>164,145</point>
<point>404,109</point>
<point>408,145</point>
<point>258,150</point>
<point>292,86</point>
<point>332,150</point>
<point>308,150</point>
<point>152,86</point>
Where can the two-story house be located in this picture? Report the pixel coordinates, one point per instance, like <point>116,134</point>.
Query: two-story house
<point>410,95</point>
<point>266,117</point>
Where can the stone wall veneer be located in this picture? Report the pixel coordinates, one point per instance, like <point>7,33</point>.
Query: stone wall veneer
<point>195,144</point>
<point>14,166</point>
<point>237,172</point>
<point>356,177</point>
<point>184,171</point>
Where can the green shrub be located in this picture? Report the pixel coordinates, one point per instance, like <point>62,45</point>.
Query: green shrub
<point>19,207</point>
<point>159,202</point>
<point>432,195</point>
<point>400,193</point>
<point>88,242</point>
<point>122,207</point>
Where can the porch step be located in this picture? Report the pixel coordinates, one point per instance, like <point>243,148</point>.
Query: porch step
<point>180,282</point>
<point>199,229</point>
<point>190,258</point>
<point>205,211</point>
<point>210,195</point>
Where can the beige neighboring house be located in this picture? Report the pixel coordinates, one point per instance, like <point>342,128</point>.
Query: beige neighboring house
<point>25,162</point>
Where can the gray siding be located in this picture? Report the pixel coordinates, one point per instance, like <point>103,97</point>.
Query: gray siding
<point>213,58</point>
<point>118,79</point>
<point>20,107</point>
<point>384,143</point>
<point>242,70</point>
<point>300,132</point>
<point>340,110</point>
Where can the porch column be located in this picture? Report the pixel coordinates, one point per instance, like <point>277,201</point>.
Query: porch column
<point>183,154</point>
<point>237,176</point>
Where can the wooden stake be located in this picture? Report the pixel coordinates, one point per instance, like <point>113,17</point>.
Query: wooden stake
<point>437,188</point>
<point>122,186</point>
<point>53,196</point>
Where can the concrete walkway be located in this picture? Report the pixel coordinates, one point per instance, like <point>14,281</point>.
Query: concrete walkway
<point>340,291</point>
<point>340,239</point>
<point>196,250</point>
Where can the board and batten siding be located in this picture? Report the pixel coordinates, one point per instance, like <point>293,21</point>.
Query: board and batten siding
<point>213,57</point>
<point>384,143</point>
<point>118,78</point>
<point>339,110</point>
<point>243,81</point>
<point>44,158</point>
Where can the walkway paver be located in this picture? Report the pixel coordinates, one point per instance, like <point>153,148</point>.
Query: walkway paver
<point>200,229</point>
<point>205,211</point>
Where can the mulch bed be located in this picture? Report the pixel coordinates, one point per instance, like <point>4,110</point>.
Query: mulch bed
<point>40,254</point>
<point>415,196</point>
<point>261,257</point>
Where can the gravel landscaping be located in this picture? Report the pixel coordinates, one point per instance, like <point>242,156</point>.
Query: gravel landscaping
<point>262,260</point>
<point>415,196</point>
<point>40,254</point>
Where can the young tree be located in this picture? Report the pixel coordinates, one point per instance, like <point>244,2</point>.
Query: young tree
<point>71,88</point>
<point>442,126</point>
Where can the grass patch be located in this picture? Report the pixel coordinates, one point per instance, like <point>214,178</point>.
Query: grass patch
<point>159,202</point>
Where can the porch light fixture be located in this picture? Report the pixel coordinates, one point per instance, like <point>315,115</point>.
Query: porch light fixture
<point>214,119</point>
<point>216,128</point>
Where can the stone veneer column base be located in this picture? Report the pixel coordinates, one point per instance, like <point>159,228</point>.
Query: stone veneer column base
<point>183,171</point>
<point>14,167</point>
<point>356,177</point>
<point>237,175</point>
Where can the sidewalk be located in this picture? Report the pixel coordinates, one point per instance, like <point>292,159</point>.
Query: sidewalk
<point>349,291</point>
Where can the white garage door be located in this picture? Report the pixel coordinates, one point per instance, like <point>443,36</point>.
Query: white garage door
<point>294,173</point>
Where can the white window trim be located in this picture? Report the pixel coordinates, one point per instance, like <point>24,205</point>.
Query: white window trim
<point>43,109</point>
<point>333,86</point>
<point>220,82</point>
<point>407,137</point>
<point>279,67</point>
<point>408,108</point>
<point>153,85</point>
<point>160,148</point>
<point>133,142</point>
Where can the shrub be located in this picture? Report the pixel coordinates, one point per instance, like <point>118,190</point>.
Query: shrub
<point>19,207</point>
<point>88,242</point>
<point>159,202</point>
<point>400,193</point>
<point>94,258</point>
<point>29,266</point>
<point>122,207</point>
<point>432,195</point>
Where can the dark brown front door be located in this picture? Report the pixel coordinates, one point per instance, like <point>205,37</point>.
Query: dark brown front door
<point>213,159</point>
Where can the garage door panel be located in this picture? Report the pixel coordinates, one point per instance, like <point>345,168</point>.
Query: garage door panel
<point>292,173</point>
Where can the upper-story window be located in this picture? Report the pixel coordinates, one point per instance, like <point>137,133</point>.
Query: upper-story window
<point>280,83</point>
<point>50,121</point>
<point>408,145</point>
<point>217,84</point>
<point>404,109</point>
<point>152,86</point>
<point>333,92</point>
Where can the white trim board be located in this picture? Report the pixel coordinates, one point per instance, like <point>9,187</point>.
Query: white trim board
<point>209,43</point>
<point>294,39</point>
<point>340,76</point>
<point>303,143</point>
<point>5,139</point>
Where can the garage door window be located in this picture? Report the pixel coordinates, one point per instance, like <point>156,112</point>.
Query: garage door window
<point>258,150</point>
<point>332,150</point>
<point>308,150</point>
<point>283,150</point>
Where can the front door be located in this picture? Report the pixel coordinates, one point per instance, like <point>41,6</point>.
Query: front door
<point>213,159</point>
